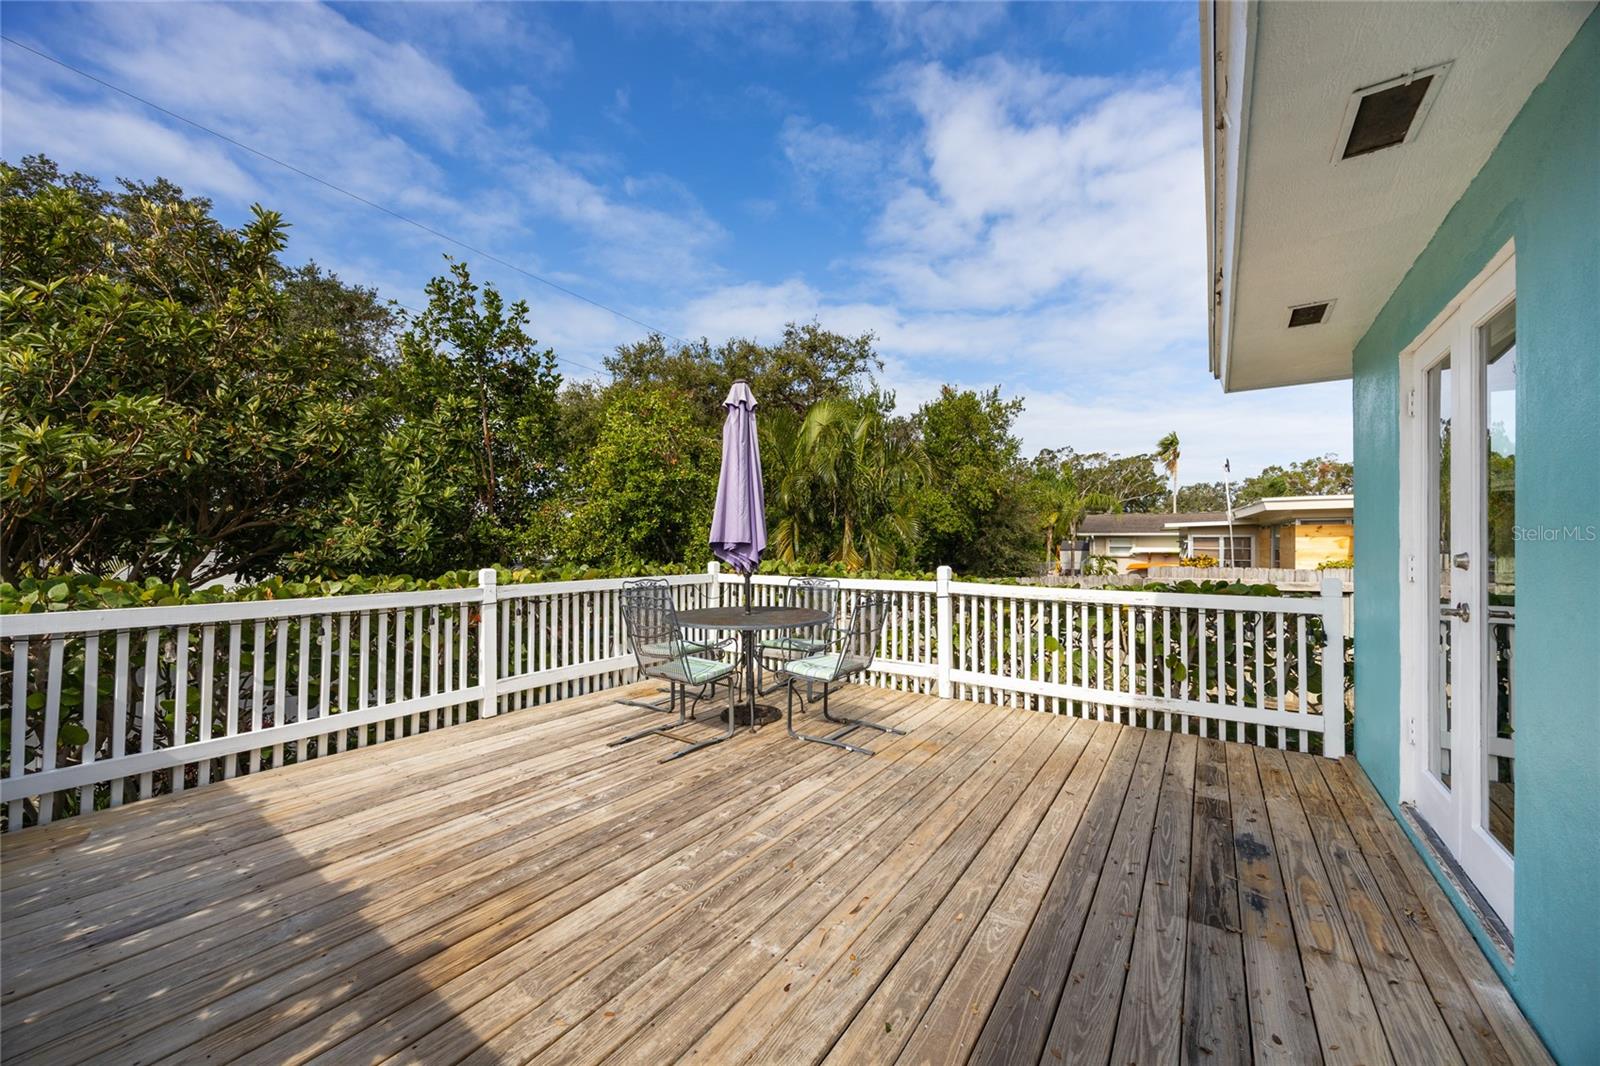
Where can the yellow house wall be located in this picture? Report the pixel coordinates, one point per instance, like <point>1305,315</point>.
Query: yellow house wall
<point>1319,543</point>
<point>1263,547</point>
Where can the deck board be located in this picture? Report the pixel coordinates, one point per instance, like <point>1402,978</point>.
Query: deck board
<point>998,885</point>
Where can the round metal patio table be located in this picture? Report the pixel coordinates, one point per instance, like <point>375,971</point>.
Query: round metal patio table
<point>748,623</point>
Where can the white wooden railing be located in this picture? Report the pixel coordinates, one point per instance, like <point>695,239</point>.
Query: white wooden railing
<point>119,705</point>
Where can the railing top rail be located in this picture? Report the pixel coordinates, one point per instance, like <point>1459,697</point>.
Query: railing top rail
<point>56,623</point>
<point>549,588</point>
<point>863,584</point>
<point>1206,601</point>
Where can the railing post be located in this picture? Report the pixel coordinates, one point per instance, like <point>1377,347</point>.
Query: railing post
<point>942,596</point>
<point>488,644</point>
<point>1333,667</point>
<point>714,590</point>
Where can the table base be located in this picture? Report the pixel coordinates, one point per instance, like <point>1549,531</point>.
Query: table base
<point>766,714</point>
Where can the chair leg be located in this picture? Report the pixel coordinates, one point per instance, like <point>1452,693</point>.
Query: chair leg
<point>664,708</point>
<point>834,738</point>
<point>856,723</point>
<point>674,702</point>
<point>726,735</point>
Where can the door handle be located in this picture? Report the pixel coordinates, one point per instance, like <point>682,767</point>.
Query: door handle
<point>1460,610</point>
<point>1462,561</point>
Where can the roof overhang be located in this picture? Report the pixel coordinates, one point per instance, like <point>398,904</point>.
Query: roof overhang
<point>1290,222</point>
<point>1275,509</point>
<point>1215,523</point>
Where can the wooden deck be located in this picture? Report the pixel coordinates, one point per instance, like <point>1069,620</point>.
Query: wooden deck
<point>998,886</point>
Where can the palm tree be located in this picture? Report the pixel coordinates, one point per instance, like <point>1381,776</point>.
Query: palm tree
<point>1064,507</point>
<point>1167,456</point>
<point>846,479</point>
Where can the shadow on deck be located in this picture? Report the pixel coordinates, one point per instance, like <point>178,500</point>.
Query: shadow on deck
<point>998,886</point>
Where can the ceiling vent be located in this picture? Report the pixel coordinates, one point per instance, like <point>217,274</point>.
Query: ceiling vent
<point>1310,314</point>
<point>1389,113</point>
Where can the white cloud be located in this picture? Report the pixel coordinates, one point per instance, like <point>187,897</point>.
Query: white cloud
<point>373,113</point>
<point>936,27</point>
<point>1044,233</point>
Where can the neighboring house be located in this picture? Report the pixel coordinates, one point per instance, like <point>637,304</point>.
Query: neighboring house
<point>1137,541</point>
<point>1289,532</point>
<point>1408,195</point>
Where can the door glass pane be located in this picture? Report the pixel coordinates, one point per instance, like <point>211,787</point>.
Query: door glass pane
<point>1439,402</point>
<point>1499,343</point>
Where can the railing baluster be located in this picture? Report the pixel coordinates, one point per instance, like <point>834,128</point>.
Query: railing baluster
<point>346,742</point>
<point>1278,671</point>
<point>416,666</point>
<point>120,710</point>
<point>1303,704</point>
<point>230,762</point>
<point>325,681</point>
<point>91,715</point>
<point>302,690</point>
<point>19,725</point>
<point>149,690</point>
<point>180,703</point>
<point>366,673</point>
<point>52,724</point>
<point>436,717</point>
<point>208,695</point>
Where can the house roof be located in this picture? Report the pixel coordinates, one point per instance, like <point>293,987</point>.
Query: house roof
<point>1290,221</point>
<point>1153,522</point>
<point>1275,509</point>
<point>1267,511</point>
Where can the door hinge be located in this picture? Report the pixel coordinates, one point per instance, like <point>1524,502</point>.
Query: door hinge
<point>1411,730</point>
<point>1411,404</point>
<point>1411,569</point>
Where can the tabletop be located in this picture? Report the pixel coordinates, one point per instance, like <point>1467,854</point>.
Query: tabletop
<point>753,619</point>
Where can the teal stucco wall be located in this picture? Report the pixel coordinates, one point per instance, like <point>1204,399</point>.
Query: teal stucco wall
<point>1541,189</point>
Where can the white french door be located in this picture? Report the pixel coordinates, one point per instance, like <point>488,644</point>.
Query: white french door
<point>1462,576</point>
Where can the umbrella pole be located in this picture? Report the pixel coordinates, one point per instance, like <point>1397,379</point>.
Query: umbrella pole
<point>747,592</point>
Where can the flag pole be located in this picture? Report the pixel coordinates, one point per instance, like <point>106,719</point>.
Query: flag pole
<point>1227,490</point>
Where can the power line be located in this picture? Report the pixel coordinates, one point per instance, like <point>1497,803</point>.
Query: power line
<point>346,192</point>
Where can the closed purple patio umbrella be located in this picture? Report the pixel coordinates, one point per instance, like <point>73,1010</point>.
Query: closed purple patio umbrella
<point>739,523</point>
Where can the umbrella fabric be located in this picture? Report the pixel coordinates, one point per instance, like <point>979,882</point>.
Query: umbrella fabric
<point>739,523</point>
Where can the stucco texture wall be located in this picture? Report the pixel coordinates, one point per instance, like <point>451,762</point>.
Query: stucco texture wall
<point>1540,188</point>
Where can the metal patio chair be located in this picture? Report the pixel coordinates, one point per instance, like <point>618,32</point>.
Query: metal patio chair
<point>665,706</point>
<point>850,652</point>
<point>815,593</point>
<point>661,651</point>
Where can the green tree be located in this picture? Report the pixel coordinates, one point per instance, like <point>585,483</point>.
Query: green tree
<point>1202,496</point>
<point>644,493</point>
<point>1130,480</point>
<point>1321,475</point>
<point>172,405</point>
<point>471,451</point>
<point>807,365</point>
<point>842,484</point>
<point>973,513</point>
<point>1063,503</point>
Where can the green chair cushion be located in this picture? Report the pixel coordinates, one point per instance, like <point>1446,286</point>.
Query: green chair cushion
<point>692,670</point>
<point>803,645</point>
<point>829,667</point>
<point>665,651</point>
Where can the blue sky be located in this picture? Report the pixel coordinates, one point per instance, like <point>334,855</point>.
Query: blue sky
<point>1005,195</point>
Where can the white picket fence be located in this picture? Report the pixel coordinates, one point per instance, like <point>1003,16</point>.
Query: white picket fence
<point>119,705</point>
